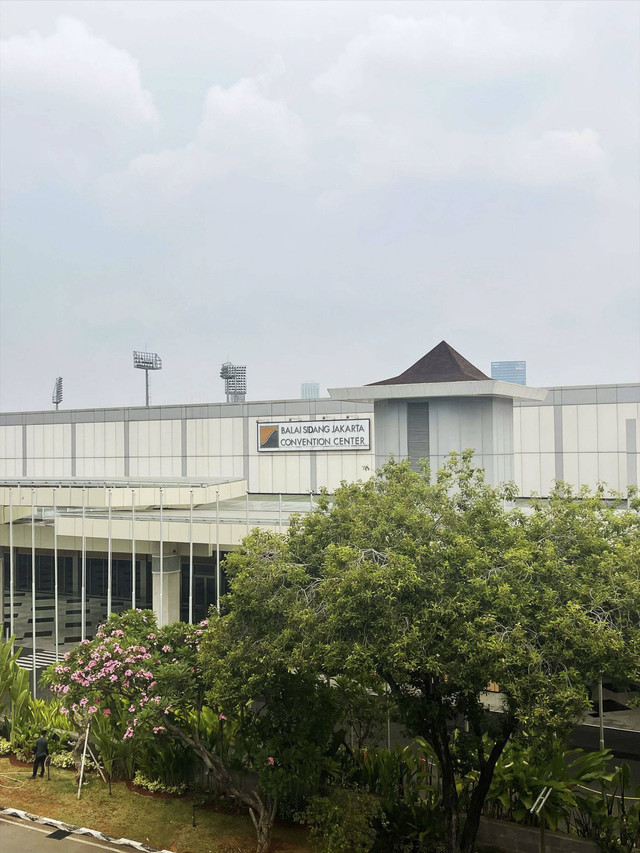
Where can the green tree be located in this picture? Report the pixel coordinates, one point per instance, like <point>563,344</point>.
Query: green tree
<point>179,679</point>
<point>288,715</point>
<point>436,589</point>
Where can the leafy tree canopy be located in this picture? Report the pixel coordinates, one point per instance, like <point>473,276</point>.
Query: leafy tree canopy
<point>436,589</point>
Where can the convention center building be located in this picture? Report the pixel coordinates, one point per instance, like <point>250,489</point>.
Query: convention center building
<point>138,507</point>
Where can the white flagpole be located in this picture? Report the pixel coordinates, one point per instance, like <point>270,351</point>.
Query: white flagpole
<point>109,563</point>
<point>55,573</point>
<point>83,584</point>
<point>191,556</point>
<point>11,572</point>
<point>161,620</point>
<point>33,589</point>
<point>218,578</point>
<point>133,549</point>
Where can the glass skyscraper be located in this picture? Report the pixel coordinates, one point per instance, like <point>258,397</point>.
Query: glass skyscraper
<point>309,390</point>
<point>510,371</point>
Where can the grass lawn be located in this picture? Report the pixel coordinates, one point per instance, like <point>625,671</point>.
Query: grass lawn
<point>158,822</point>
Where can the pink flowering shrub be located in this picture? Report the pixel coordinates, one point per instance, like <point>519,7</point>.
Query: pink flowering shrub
<point>154,671</point>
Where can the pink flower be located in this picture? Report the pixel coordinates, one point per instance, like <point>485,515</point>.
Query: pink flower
<point>107,712</point>
<point>166,649</point>
<point>113,678</point>
<point>157,729</point>
<point>64,711</point>
<point>128,734</point>
<point>132,708</point>
<point>92,709</point>
<point>128,672</point>
<point>221,717</point>
<point>270,761</point>
<point>84,701</point>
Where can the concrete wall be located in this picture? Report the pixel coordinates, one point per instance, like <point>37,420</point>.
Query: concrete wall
<point>484,424</point>
<point>585,436</point>
<point>514,838</point>
<point>208,441</point>
<point>454,424</point>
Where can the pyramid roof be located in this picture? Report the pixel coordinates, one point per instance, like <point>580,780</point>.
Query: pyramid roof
<point>441,364</point>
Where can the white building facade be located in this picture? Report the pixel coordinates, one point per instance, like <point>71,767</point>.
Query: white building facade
<point>138,506</point>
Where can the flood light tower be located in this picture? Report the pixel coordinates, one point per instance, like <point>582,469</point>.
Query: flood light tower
<point>147,361</point>
<point>56,397</point>
<point>235,381</point>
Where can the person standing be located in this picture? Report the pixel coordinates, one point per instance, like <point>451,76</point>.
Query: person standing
<point>41,750</point>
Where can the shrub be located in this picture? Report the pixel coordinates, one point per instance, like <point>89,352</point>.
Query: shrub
<point>344,822</point>
<point>5,746</point>
<point>64,760</point>
<point>156,786</point>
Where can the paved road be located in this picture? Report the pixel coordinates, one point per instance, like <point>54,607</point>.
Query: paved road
<point>17,836</point>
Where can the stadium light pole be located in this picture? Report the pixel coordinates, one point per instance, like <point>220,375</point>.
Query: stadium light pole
<point>56,397</point>
<point>146,361</point>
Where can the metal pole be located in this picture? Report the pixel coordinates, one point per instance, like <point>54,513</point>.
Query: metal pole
<point>55,574</point>
<point>388,692</point>
<point>279,513</point>
<point>601,714</point>
<point>190,556</point>
<point>146,387</point>
<point>109,563</point>
<point>218,578</point>
<point>11,573</point>
<point>84,759</point>
<point>133,548</point>
<point>310,501</point>
<point>83,584</point>
<point>161,620</point>
<point>33,589</point>
<point>247,511</point>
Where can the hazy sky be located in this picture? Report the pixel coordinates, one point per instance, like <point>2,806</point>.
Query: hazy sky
<point>320,190</point>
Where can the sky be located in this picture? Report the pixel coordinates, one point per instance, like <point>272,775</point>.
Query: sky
<point>322,191</point>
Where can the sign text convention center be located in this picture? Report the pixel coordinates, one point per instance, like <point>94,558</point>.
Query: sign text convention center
<point>138,507</point>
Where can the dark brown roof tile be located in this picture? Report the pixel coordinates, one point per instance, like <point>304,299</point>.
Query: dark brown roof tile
<point>441,364</point>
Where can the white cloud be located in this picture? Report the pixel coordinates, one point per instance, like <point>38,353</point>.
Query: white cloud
<point>442,44</point>
<point>243,131</point>
<point>556,156</point>
<point>383,152</point>
<point>73,105</point>
<point>80,68</point>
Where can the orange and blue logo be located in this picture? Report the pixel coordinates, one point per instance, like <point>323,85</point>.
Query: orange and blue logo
<point>269,437</point>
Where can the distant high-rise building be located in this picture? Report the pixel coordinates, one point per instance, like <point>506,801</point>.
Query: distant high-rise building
<point>235,381</point>
<point>309,390</point>
<point>510,371</point>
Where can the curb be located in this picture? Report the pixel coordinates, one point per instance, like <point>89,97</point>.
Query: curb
<point>80,830</point>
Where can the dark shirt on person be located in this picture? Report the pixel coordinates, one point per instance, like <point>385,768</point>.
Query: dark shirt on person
<point>41,749</point>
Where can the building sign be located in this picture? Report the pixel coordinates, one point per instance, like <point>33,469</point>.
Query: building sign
<point>347,434</point>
